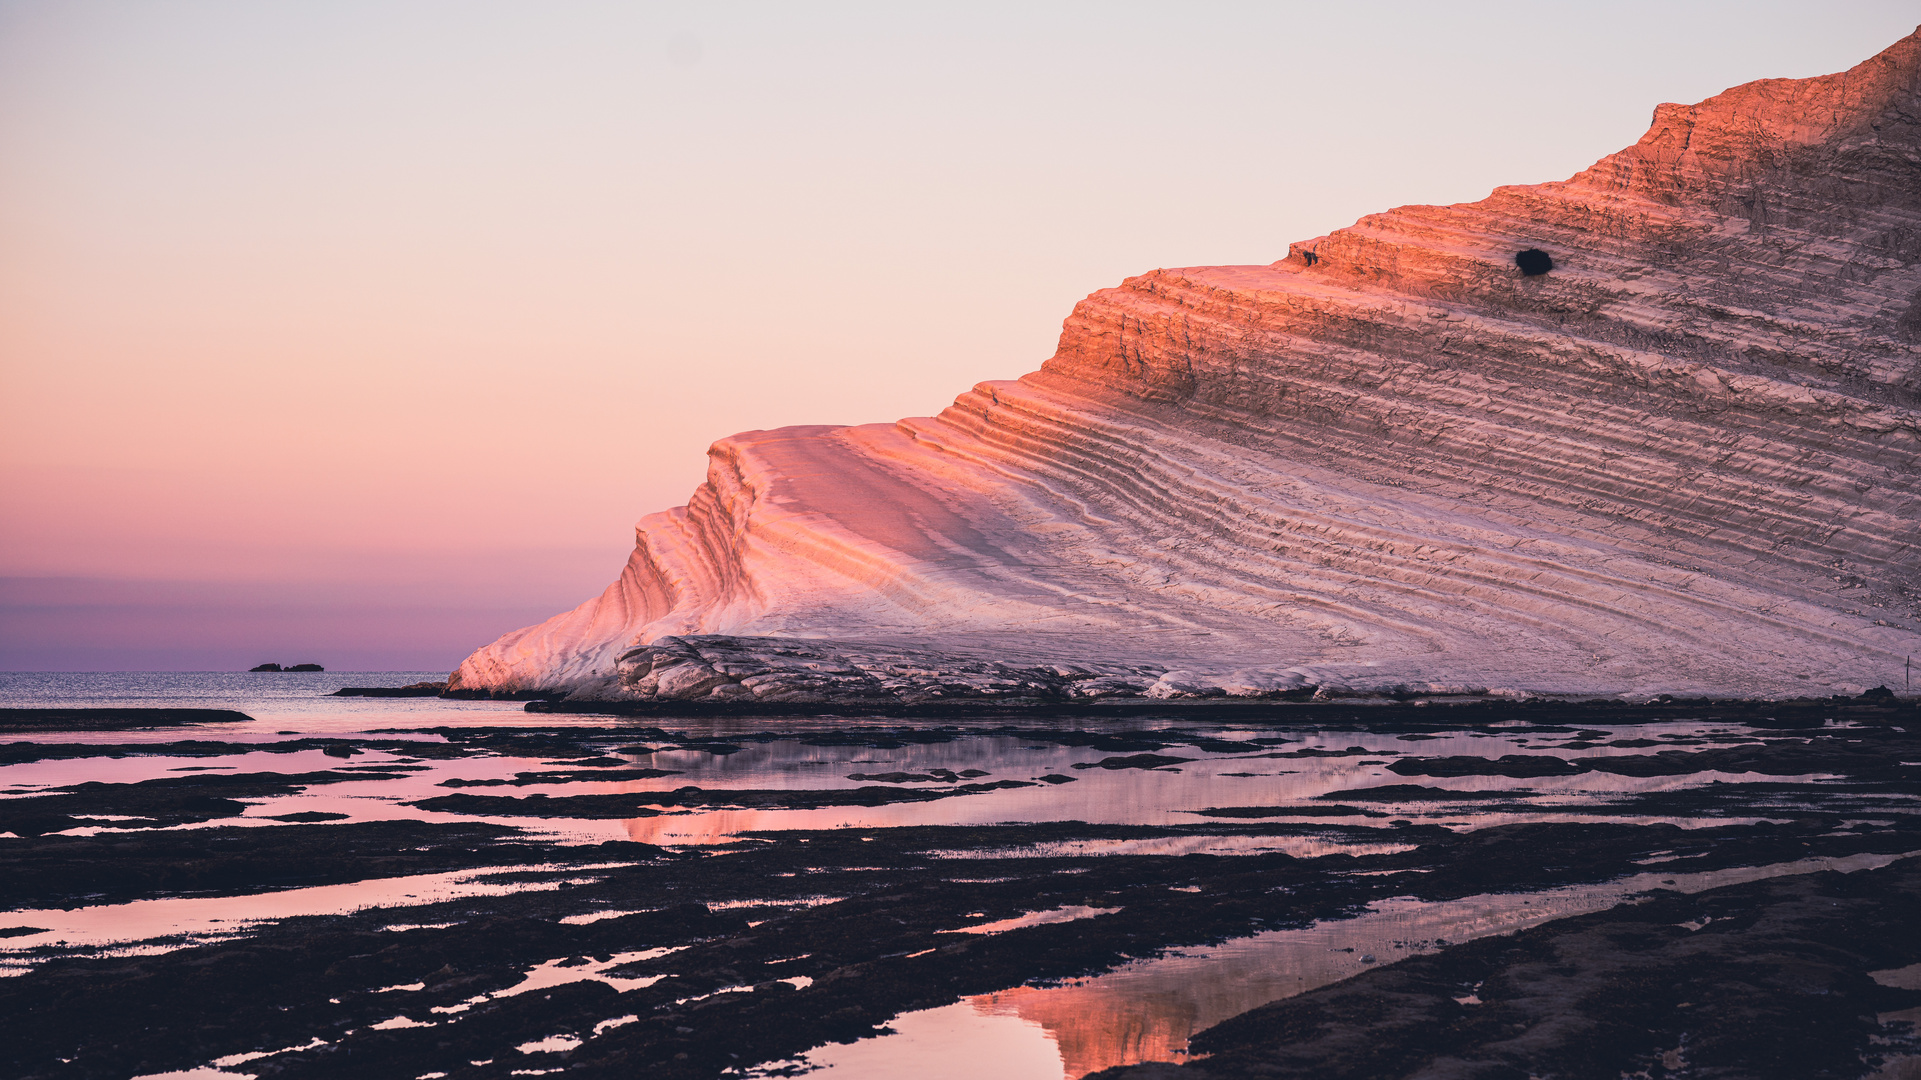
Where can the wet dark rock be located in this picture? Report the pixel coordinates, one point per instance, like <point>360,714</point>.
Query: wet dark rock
<point>1285,811</point>
<point>528,779</point>
<point>1418,793</point>
<point>861,911</point>
<point>419,689</point>
<point>51,871</point>
<point>315,978</point>
<point>537,696</point>
<point>111,719</point>
<point>1134,761</point>
<point>522,742</point>
<point>1318,752</point>
<point>720,749</point>
<point>1791,721</point>
<point>1516,765</point>
<point>17,752</point>
<point>1780,758</point>
<point>1381,713</point>
<point>648,804</point>
<point>170,801</point>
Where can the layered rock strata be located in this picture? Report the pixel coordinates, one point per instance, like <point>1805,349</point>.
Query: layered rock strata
<point>725,668</point>
<point>1686,459</point>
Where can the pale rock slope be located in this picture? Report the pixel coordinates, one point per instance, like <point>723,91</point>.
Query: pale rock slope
<point>1688,459</point>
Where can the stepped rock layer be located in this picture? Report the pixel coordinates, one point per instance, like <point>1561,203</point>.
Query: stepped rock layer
<point>1687,459</point>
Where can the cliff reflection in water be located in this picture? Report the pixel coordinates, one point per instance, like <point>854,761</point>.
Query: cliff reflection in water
<point>1149,1009</point>
<point>1308,776</point>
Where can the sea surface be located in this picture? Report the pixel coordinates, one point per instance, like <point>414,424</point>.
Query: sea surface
<point>278,699</point>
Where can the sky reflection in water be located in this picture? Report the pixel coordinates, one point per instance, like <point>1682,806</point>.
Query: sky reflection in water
<point>1142,1011</point>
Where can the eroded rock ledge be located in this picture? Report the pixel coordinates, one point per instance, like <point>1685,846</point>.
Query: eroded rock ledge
<point>720,668</point>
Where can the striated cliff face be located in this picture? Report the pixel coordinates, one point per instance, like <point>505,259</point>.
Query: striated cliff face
<point>1686,459</point>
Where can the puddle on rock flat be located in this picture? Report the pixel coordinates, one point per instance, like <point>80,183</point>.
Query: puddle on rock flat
<point>1148,1009</point>
<point>149,926</point>
<point>1312,776</point>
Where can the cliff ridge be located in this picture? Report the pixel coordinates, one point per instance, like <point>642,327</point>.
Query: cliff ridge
<point>1685,459</point>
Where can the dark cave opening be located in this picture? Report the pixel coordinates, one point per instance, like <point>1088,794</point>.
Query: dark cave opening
<point>1533,262</point>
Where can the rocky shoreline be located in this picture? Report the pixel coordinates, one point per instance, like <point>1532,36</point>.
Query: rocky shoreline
<point>784,932</point>
<point>419,689</point>
<point>724,675</point>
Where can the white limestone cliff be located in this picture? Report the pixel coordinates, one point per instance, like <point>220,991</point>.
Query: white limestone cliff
<point>1687,459</point>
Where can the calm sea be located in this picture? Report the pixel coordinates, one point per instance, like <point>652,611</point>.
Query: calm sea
<point>279,701</point>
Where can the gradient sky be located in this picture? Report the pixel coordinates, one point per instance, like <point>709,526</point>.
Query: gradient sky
<point>361,333</point>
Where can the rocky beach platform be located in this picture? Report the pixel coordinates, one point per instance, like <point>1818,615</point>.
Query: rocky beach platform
<point>1295,889</point>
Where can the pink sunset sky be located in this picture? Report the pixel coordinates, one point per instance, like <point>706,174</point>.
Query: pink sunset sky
<point>361,333</point>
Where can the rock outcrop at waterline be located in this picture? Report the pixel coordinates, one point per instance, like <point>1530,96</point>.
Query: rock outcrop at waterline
<point>1686,458</point>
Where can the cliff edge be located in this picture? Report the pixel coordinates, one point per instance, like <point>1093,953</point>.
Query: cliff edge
<point>1686,458</point>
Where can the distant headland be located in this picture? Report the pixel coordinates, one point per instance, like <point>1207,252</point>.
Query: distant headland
<point>289,667</point>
